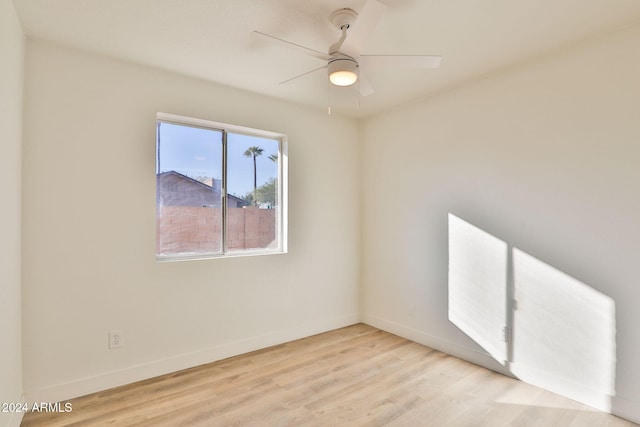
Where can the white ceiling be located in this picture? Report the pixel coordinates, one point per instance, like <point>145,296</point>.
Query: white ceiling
<point>212,40</point>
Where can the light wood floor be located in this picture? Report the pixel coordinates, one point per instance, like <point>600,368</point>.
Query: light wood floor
<point>352,376</point>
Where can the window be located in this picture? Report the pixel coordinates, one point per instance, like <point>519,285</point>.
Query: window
<point>220,189</point>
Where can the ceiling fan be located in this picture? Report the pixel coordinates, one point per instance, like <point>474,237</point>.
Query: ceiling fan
<point>344,59</point>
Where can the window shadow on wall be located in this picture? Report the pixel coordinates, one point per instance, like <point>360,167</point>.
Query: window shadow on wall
<point>546,327</point>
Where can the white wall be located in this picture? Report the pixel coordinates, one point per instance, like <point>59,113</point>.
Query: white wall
<point>89,229</point>
<point>12,59</point>
<point>544,157</point>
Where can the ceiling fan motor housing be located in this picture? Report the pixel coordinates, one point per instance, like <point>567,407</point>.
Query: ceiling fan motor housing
<point>343,18</point>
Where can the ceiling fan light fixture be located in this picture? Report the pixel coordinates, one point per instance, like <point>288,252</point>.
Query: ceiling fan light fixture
<point>343,72</point>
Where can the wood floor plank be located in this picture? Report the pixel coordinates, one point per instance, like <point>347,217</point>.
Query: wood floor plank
<point>354,376</point>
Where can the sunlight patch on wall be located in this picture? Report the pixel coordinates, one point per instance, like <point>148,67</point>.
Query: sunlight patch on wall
<point>562,332</point>
<point>478,285</point>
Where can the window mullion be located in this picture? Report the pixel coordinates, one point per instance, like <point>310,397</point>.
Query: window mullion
<point>224,193</point>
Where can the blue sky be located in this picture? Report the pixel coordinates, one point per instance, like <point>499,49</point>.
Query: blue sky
<point>197,152</point>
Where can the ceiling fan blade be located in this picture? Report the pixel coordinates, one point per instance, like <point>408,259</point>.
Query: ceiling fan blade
<point>291,45</point>
<point>367,21</point>
<point>364,87</point>
<point>400,61</point>
<point>284,82</point>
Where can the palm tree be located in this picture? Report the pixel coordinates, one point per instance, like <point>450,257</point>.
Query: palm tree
<point>254,152</point>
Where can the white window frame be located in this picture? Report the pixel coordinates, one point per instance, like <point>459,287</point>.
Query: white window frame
<point>282,217</point>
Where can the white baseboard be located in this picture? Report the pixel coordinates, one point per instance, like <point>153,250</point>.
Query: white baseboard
<point>12,419</point>
<point>107,380</point>
<point>626,409</point>
<point>466,353</point>
<point>555,383</point>
<point>620,407</point>
<point>79,387</point>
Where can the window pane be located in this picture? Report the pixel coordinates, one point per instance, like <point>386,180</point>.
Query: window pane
<point>188,190</point>
<point>252,205</point>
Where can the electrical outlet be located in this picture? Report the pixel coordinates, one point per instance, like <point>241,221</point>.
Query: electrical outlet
<point>115,339</point>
